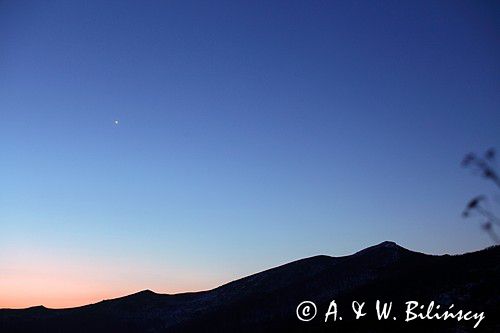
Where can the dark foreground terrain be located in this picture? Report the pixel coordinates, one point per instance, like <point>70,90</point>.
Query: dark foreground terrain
<point>267,301</point>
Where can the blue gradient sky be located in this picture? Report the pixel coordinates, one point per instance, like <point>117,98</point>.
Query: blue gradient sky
<point>250,134</point>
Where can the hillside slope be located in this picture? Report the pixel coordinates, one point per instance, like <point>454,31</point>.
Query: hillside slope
<point>267,301</point>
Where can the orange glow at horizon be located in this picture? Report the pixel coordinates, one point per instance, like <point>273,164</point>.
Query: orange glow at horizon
<point>59,283</point>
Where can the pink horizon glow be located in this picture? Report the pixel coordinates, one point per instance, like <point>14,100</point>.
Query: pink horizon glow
<point>61,283</point>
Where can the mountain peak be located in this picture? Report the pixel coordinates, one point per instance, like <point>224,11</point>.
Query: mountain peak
<point>37,307</point>
<point>146,292</point>
<point>142,293</point>
<point>387,244</point>
<point>384,246</point>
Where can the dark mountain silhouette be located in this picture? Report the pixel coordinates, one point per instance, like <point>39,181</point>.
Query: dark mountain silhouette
<point>267,301</point>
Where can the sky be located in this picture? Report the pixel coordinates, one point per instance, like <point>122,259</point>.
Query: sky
<point>250,134</point>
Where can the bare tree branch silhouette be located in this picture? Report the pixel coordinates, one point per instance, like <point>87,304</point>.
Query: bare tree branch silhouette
<point>485,166</point>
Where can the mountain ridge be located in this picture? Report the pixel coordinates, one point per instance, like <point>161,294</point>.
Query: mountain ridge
<point>269,297</point>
